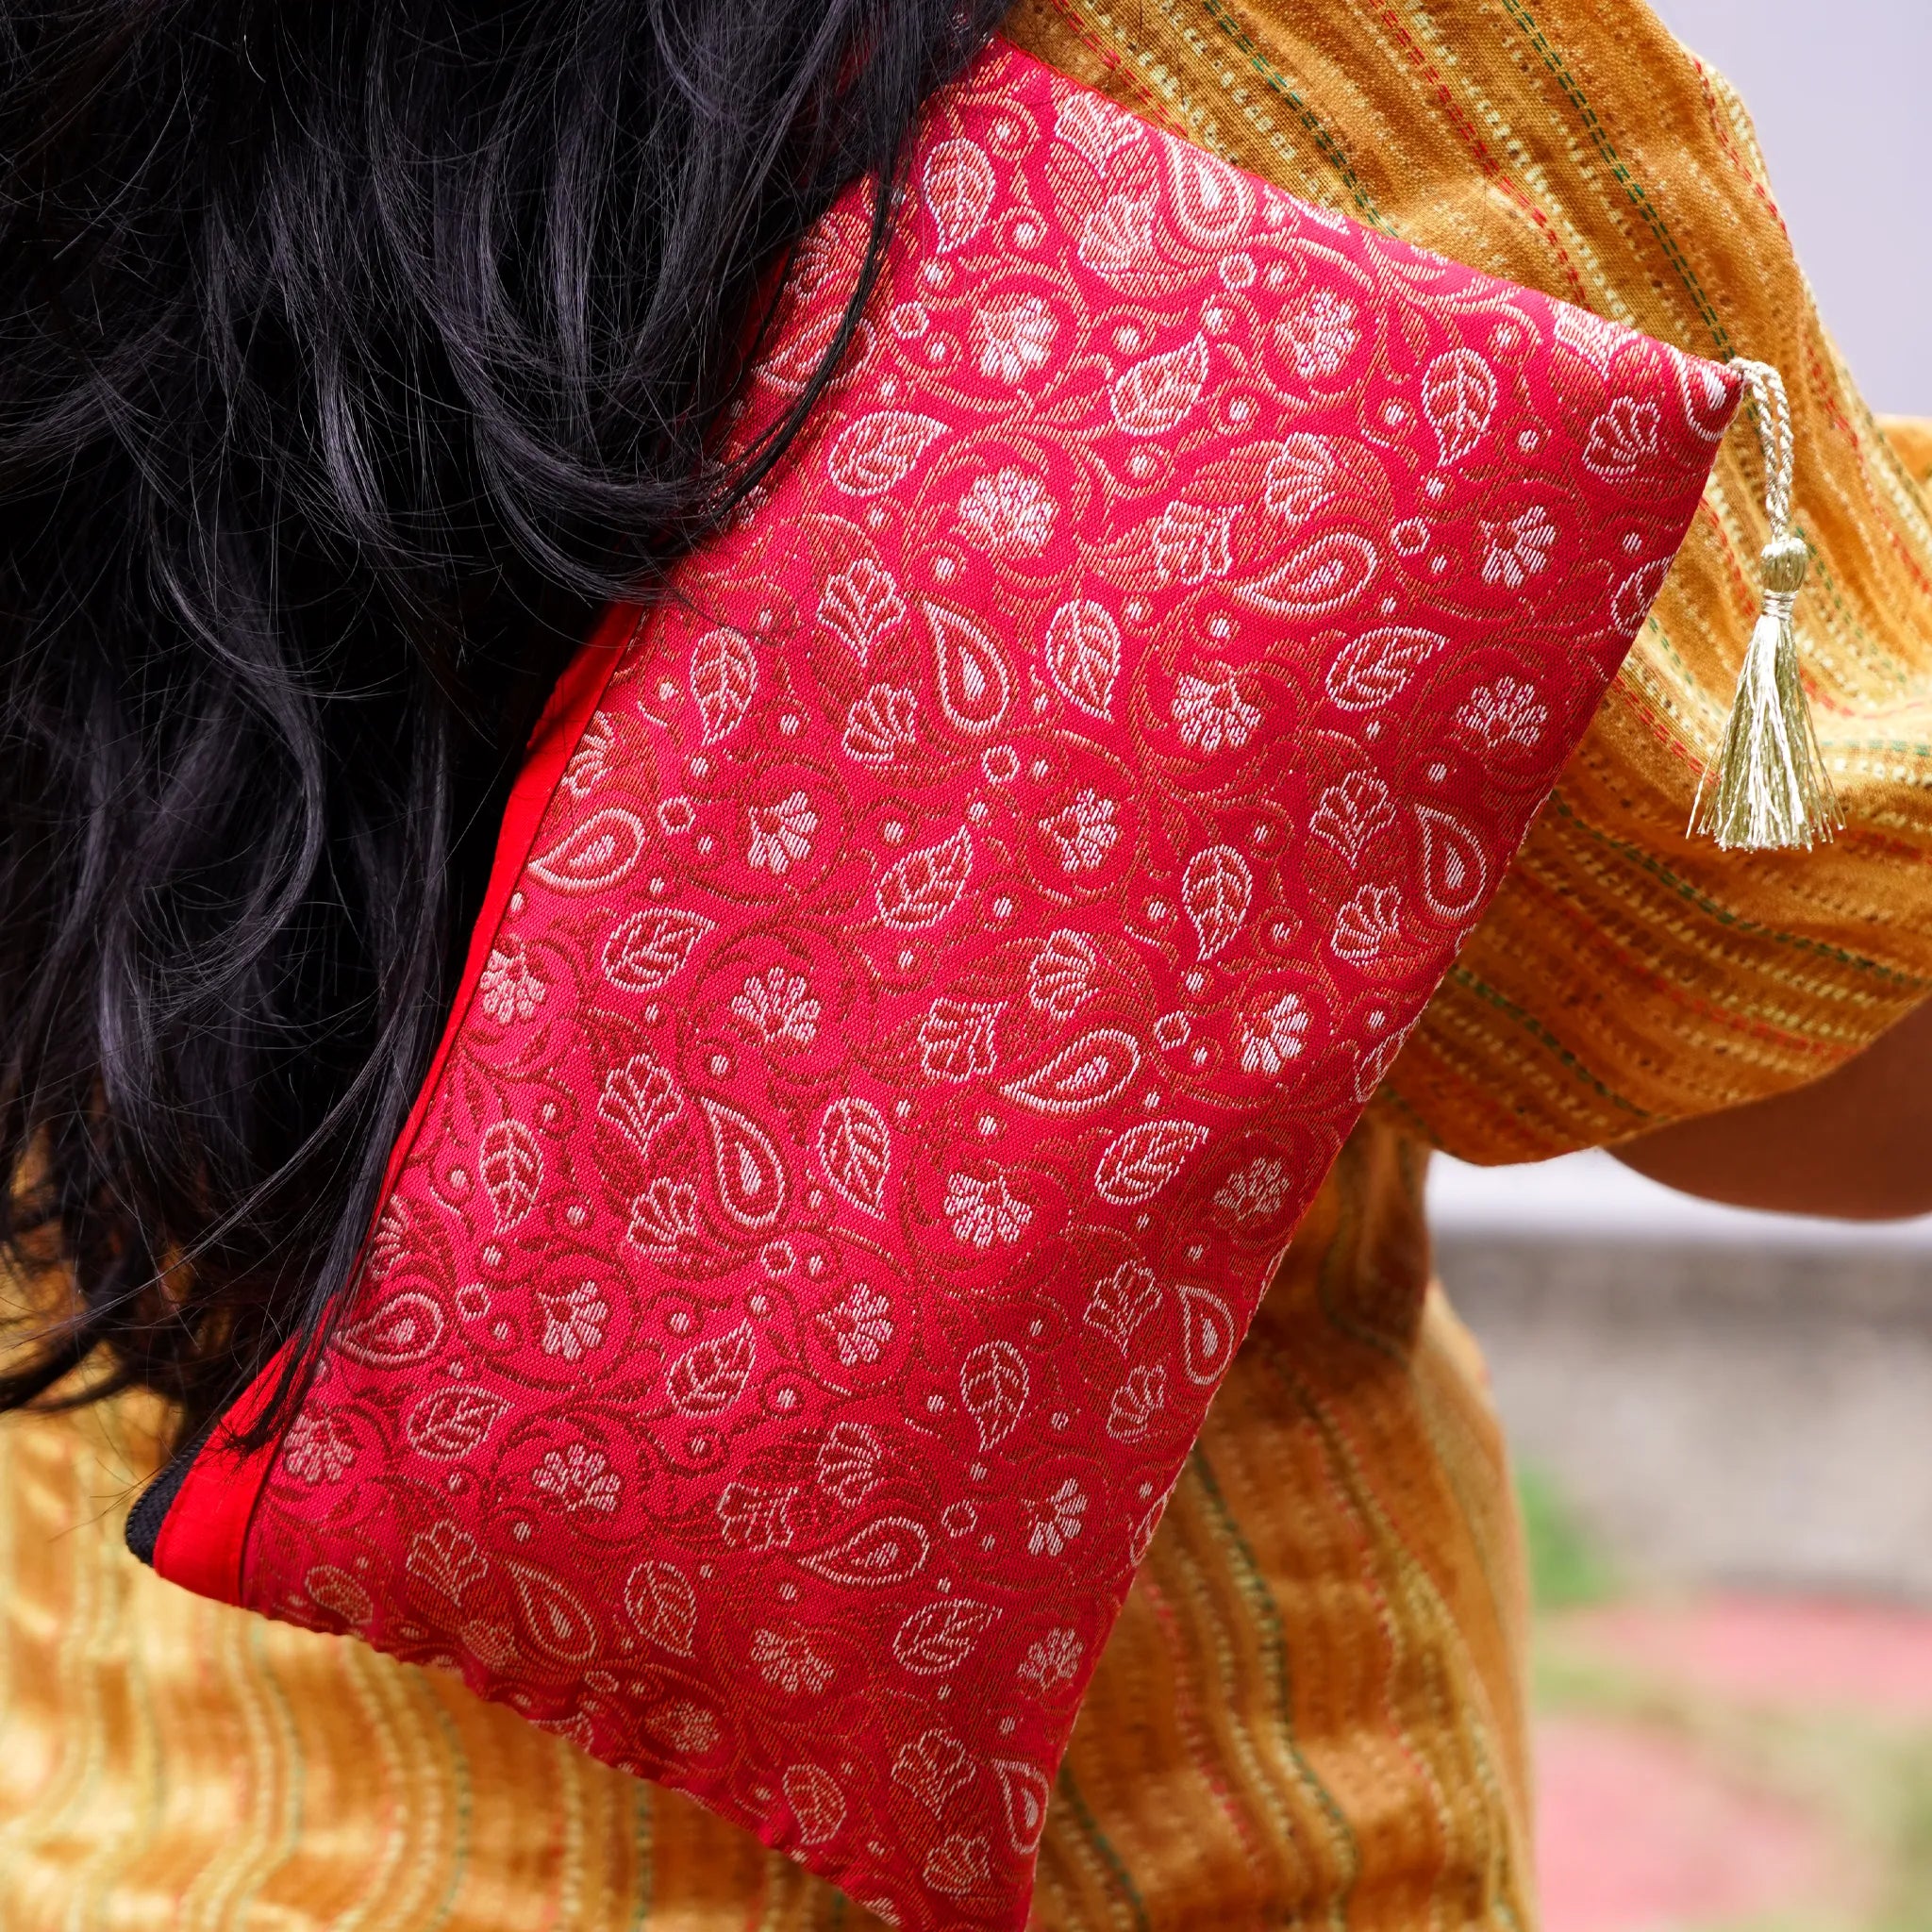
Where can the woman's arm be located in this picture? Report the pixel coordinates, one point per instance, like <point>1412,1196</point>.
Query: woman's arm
<point>1857,1145</point>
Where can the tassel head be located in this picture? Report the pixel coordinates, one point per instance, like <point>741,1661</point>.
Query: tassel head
<point>1768,789</point>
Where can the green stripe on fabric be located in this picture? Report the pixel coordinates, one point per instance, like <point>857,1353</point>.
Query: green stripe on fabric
<point>1278,84</point>
<point>1266,1612</point>
<point>464,1807</point>
<point>644,1836</point>
<point>1547,1040</point>
<point>1640,197</point>
<point>1412,1577</point>
<point>1723,915</point>
<point>1067,1792</point>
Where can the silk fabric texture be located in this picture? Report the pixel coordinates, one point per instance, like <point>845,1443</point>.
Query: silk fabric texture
<point>1313,1704</point>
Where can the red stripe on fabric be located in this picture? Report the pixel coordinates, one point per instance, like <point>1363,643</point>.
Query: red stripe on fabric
<point>203,1543</point>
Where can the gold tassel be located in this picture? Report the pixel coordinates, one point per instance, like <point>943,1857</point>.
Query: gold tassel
<point>1768,788</point>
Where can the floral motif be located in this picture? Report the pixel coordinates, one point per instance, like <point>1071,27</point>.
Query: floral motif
<point>573,1320</point>
<point>1009,513</point>
<point>1275,1036</point>
<point>859,1329</point>
<point>1209,713</point>
<point>781,833</point>
<point>315,1450</point>
<point>1506,713</point>
<point>1257,1191</point>
<point>778,1007</point>
<point>509,990</point>
<point>788,1660</point>
<point>1053,1659</point>
<point>1012,340</point>
<point>1320,334</point>
<point>985,1212</point>
<point>1054,1520</point>
<point>1084,830</point>
<point>578,1476</point>
<point>1516,550</point>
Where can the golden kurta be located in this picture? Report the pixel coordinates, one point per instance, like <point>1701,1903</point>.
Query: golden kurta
<point>1311,1709</point>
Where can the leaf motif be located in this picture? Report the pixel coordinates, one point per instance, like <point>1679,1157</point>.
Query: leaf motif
<point>868,456</point>
<point>848,1463</point>
<point>941,1637</point>
<point>1216,890</point>
<point>710,1377</point>
<point>450,1423</point>
<point>1083,654</point>
<point>645,950</point>
<point>590,764</point>
<point>1135,1166</point>
<point>881,724</point>
<point>890,1549</point>
<point>1373,667</point>
<point>974,689</point>
<point>512,1166</point>
<point>959,185</point>
<point>723,674</point>
<point>955,1038</point>
<point>1350,813</point>
<point>816,1801</point>
<point>992,1384</point>
<point>861,605</point>
<point>662,1604</point>
<point>336,1590</point>
<point>804,343</point>
<point>1152,396</point>
<point>1459,399</point>
<point>1137,1402</point>
<point>856,1149</point>
<point>399,1330</point>
<point>1059,976</point>
<point>1207,1334</point>
<point>603,850</point>
<point>1301,475</point>
<point>1324,573</point>
<point>958,1864</point>
<point>925,884</point>
<point>447,1558</point>
<point>1085,1073</point>
<point>1121,1302</point>
<point>1024,1792</point>
<point>932,1767</point>
<point>749,1175</point>
<point>640,1099</point>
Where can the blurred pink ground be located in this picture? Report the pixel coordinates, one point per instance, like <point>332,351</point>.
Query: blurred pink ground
<point>1636,1833</point>
<point>1774,1652</point>
<point>1639,1832</point>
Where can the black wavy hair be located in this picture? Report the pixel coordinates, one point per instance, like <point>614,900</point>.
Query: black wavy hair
<point>351,355</point>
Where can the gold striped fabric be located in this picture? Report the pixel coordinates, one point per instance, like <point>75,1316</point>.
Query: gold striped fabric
<point>1311,1711</point>
<point>1626,975</point>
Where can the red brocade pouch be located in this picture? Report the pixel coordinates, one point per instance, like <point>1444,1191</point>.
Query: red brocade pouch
<point>934,956</point>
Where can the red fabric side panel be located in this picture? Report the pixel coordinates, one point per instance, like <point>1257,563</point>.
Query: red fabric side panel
<point>204,1538</point>
<point>206,1525</point>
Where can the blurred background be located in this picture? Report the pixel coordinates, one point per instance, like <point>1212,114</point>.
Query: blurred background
<point>1723,1422</point>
